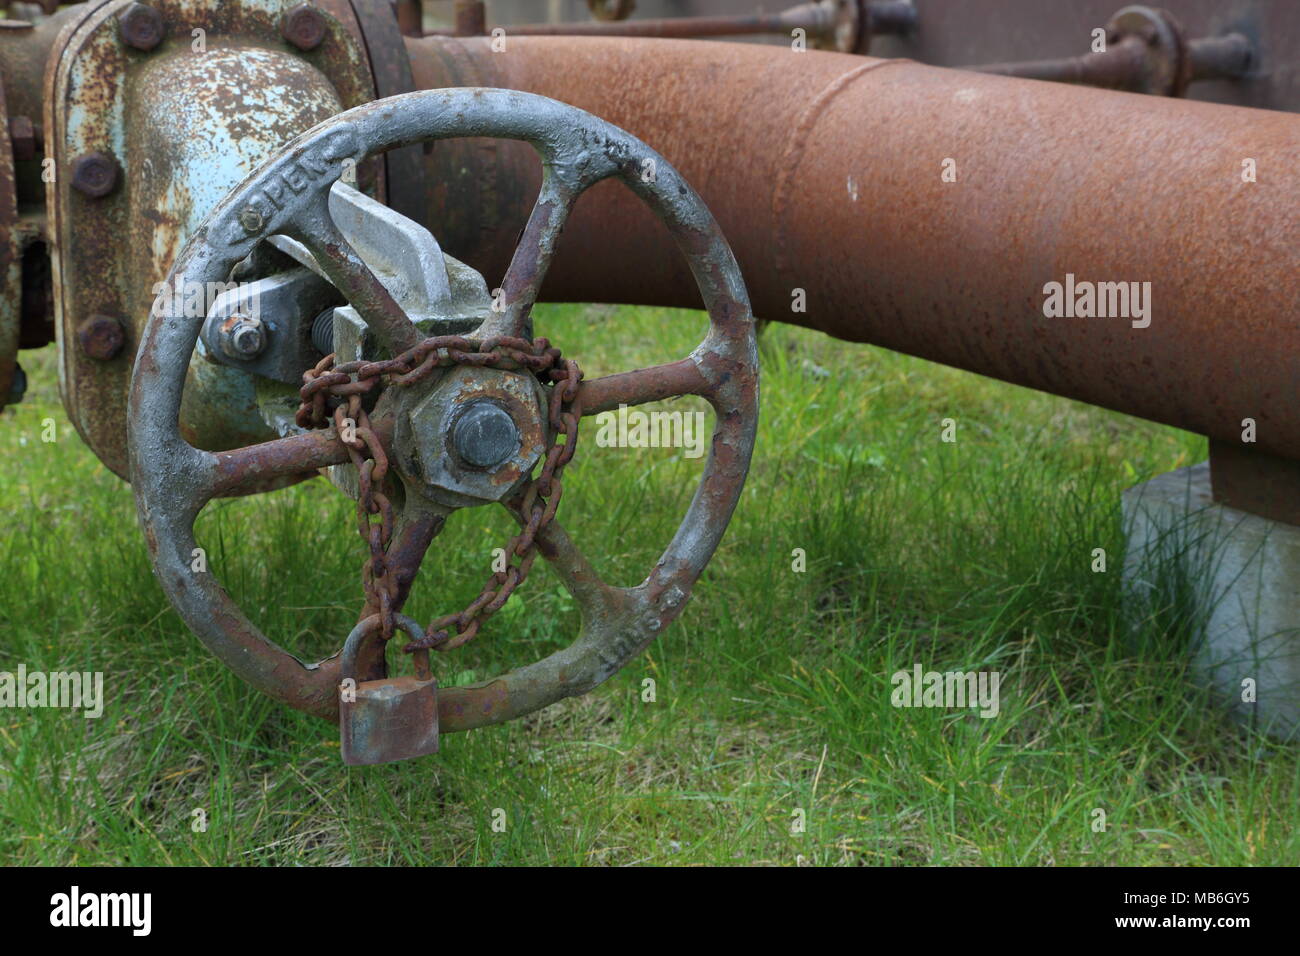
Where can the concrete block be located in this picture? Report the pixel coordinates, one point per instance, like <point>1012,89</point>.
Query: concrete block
<point>1237,576</point>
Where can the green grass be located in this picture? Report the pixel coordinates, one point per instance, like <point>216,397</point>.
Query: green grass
<point>772,690</point>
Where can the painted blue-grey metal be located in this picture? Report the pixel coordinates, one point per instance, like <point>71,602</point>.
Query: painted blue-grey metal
<point>289,196</point>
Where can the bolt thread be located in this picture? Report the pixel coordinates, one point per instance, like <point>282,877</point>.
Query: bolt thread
<point>322,332</point>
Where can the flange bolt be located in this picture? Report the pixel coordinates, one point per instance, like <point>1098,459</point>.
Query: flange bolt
<point>142,27</point>
<point>94,175</point>
<point>485,435</point>
<point>101,337</point>
<point>304,27</point>
<point>242,337</point>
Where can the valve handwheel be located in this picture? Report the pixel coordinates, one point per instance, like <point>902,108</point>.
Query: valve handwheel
<point>288,196</point>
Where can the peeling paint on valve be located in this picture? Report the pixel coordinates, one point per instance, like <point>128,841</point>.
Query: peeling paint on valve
<point>173,480</point>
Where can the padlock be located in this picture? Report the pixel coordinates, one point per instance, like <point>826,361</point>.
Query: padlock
<point>394,718</point>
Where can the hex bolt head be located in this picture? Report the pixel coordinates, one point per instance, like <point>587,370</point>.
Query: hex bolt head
<point>304,27</point>
<point>141,26</point>
<point>251,220</point>
<point>101,337</point>
<point>242,337</point>
<point>94,174</point>
<point>485,435</point>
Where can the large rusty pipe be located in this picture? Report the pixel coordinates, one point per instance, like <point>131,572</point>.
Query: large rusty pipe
<point>825,171</point>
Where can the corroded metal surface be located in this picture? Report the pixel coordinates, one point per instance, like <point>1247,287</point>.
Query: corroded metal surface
<point>1147,51</point>
<point>1254,481</point>
<point>506,375</point>
<point>248,90</point>
<point>25,306</point>
<point>304,27</point>
<point>173,480</point>
<point>10,269</point>
<point>827,176</point>
<point>431,424</point>
<point>844,25</point>
<point>101,337</point>
<point>404,168</point>
<point>389,718</point>
<point>963,33</point>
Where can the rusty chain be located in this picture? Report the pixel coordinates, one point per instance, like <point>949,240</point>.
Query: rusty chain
<point>534,505</point>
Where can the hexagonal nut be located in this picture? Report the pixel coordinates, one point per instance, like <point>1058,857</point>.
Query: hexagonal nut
<point>433,462</point>
<point>142,27</point>
<point>101,337</point>
<point>94,175</point>
<point>242,337</point>
<point>304,27</point>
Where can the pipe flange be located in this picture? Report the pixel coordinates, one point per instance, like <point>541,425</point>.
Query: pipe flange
<point>1168,61</point>
<point>849,27</point>
<point>611,9</point>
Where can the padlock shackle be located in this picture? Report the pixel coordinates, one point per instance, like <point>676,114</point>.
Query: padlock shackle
<point>368,626</point>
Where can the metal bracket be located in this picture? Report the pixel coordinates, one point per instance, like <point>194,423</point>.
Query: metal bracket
<point>441,295</point>
<point>282,307</point>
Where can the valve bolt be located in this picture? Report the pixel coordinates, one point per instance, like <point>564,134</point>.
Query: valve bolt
<point>251,220</point>
<point>485,435</point>
<point>94,175</point>
<point>142,27</point>
<point>101,337</point>
<point>304,27</point>
<point>242,338</point>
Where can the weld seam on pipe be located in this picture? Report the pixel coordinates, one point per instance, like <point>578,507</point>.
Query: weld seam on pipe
<point>792,154</point>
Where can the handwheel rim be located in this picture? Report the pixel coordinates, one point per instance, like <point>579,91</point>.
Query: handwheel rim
<point>170,477</point>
